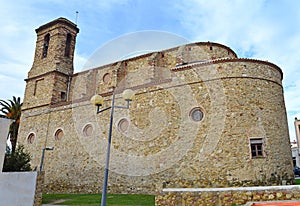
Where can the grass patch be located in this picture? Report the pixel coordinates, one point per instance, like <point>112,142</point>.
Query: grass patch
<point>297,181</point>
<point>95,199</point>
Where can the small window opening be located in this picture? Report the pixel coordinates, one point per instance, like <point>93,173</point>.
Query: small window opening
<point>256,147</point>
<point>106,78</point>
<point>63,96</point>
<point>123,125</point>
<point>46,45</point>
<point>68,45</point>
<point>30,138</point>
<point>210,48</point>
<point>58,134</point>
<point>196,114</point>
<point>88,130</point>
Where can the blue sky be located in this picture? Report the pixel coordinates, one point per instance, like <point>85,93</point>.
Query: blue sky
<point>259,29</point>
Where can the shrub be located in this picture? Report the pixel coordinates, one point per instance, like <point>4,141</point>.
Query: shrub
<point>16,161</point>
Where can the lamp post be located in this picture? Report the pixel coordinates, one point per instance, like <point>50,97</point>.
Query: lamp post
<point>98,100</point>
<point>43,155</point>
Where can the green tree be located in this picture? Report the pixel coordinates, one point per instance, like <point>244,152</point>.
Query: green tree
<point>11,109</point>
<point>16,161</point>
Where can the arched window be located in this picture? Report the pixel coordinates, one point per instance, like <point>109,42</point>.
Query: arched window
<point>30,138</point>
<point>88,130</point>
<point>123,125</point>
<point>46,45</point>
<point>58,134</point>
<point>68,45</point>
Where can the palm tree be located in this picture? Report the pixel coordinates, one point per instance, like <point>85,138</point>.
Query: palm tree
<point>11,109</point>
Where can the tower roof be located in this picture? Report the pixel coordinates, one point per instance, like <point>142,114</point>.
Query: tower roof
<point>60,20</point>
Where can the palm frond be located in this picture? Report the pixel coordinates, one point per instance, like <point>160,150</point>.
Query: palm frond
<point>11,109</point>
<point>4,104</point>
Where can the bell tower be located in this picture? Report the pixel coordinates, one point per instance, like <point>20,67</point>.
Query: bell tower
<point>50,75</point>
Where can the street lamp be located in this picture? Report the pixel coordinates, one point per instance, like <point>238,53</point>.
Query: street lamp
<point>98,100</point>
<point>43,155</point>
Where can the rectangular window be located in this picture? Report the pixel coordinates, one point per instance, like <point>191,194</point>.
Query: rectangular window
<point>256,147</point>
<point>63,96</point>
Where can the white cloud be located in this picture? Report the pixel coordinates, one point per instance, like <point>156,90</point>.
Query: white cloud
<point>11,86</point>
<point>79,62</point>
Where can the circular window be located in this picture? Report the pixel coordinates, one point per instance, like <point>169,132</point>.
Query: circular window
<point>106,78</point>
<point>196,114</point>
<point>123,125</point>
<point>88,130</point>
<point>30,138</point>
<point>59,134</point>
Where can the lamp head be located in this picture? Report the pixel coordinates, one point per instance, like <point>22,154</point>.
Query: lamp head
<point>49,148</point>
<point>128,94</point>
<point>97,100</point>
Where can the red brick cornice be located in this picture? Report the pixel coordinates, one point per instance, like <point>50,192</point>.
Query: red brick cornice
<point>45,74</point>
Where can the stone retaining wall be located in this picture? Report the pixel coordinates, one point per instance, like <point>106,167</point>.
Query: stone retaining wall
<point>38,197</point>
<point>225,196</point>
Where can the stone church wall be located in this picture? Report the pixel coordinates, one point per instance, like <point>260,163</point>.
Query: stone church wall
<point>162,145</point>
<point>196,111</point>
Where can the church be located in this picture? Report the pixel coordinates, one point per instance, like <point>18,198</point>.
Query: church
<point>201,117</point>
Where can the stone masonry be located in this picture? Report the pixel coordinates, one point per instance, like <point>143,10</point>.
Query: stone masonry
<point>201,117</point>
<point>286,195</point>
